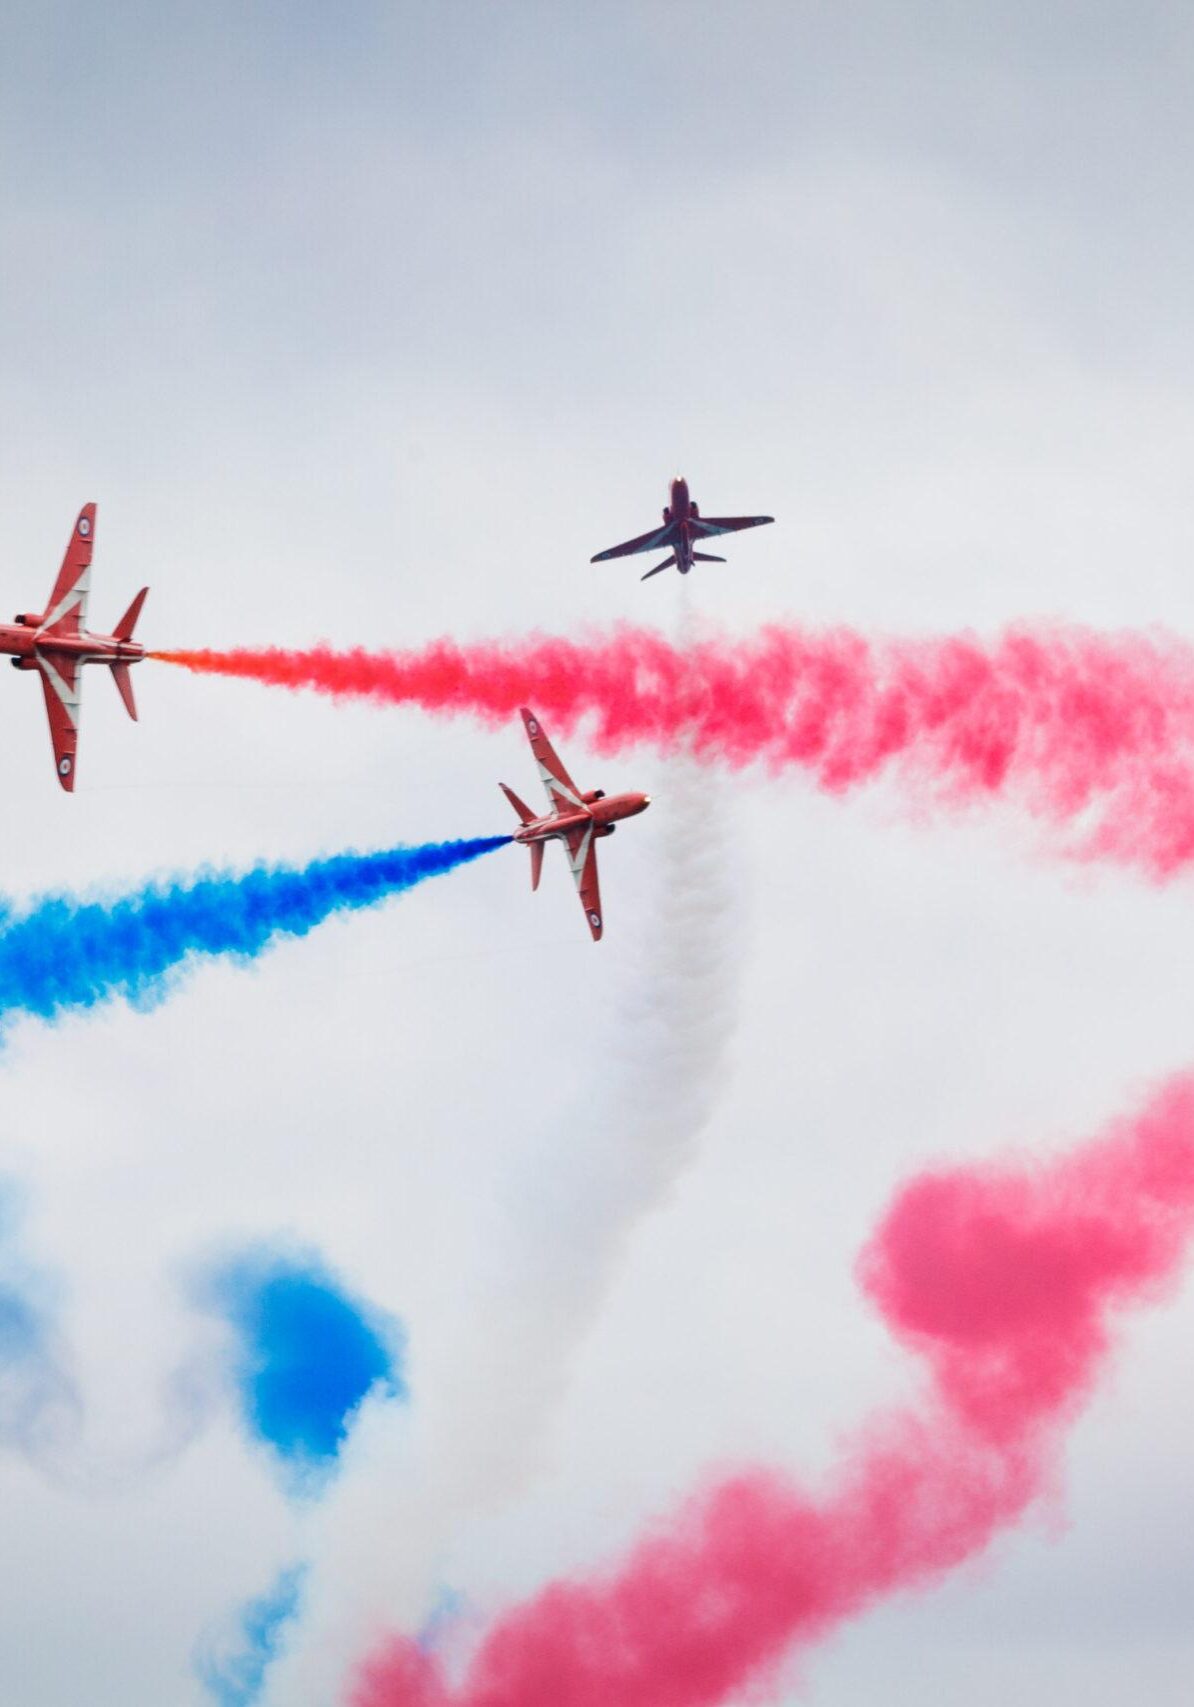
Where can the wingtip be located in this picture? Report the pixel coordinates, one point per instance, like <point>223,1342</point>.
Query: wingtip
<point>83,533</point>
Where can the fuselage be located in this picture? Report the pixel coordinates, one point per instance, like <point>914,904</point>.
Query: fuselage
<point>681,509</point>
<point>601,811</point>
<point>20,641</point>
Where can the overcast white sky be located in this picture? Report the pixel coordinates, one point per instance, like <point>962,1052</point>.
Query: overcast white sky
<point>373,322</point>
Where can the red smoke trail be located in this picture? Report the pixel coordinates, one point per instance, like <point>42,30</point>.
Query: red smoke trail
<point>1090,732</point>
<point>1003,1283</point>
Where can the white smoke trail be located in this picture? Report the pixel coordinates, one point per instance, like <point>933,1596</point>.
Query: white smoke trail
<point>50,1425</point>
<point>474,1434</point>
<point>43,1410</point>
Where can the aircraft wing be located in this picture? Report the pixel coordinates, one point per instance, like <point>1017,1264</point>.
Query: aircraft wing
<point>582,857</point>
<point>61,680</point>
<point>708,527</point>
<point>668,534</point>
<point>561,790</point>
<point>66,612</point>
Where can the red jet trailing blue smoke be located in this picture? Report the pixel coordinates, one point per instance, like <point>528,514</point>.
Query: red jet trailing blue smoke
<point>683,525</point>
<point>575,819</point>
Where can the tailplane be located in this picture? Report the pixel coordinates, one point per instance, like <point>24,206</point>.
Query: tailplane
<point>124,628</point>
<point>124,686</point>
<point>668,563</point>
<point>527,817</point>
<point>520,806</point>
<point>706,557</point>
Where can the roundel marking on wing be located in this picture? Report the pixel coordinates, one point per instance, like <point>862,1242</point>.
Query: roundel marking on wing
<point>84,525</point>
<point>64,766</point>
<point>594,918</point>
<point>532,726</point>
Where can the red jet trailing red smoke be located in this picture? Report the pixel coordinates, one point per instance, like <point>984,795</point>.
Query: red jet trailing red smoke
<point>56,643</point>
<point>683,525</point>
<point>575,819</point>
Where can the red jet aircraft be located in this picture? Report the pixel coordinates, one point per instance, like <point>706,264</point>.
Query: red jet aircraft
<point>683,525</point>
<point>575,819</point>
<point>56,643</point>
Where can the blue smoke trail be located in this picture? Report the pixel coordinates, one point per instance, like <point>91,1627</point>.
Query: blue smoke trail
<point>308,1353</point>
<point>234,1677</point>
<point>71,953</point>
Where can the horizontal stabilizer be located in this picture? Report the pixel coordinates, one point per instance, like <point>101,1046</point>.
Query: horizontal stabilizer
<point>124,628</point>
<point>124,684</point>
<point>668,563</point>
<point>536,863</point>
<point>706,557</point>
<point>520,806</point>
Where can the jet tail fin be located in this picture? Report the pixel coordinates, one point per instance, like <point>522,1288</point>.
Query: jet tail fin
<point>668,563</point>
<point>520,806</point>
<point>124,628</point>
<point>706,557</point>
<point>124,686</point>
<point>536,863</point>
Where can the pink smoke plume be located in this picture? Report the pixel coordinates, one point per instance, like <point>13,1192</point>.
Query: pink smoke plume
<point>1091,733</point>
<point>1002,1281</point>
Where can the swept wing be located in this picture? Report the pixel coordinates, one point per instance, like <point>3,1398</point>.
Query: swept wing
<point>61,679</point>
<point>656,540</point>
<point>561,790</point>
<point>66,616</point>
<point>708,527</point>
<point>582,858</point>
<point>66,612</point>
